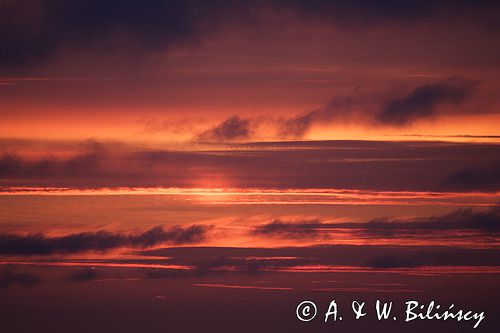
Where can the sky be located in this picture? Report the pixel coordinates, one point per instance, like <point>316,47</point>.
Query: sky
<point>225,160</point>
<point>177,70</point>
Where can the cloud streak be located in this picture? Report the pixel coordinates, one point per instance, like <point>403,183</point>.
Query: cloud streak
<point>100,241</point>
<point>485,178</point>
<point>356,165</point>
<point>461,219</point>
<point>292,230</point>
<point>231,129</point>
<point>386,108</point>
<point>424,101</point>
<point>251,260</point>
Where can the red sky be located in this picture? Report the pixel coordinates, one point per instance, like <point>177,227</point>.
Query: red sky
<point>219,152</point>
<point>146,79</point>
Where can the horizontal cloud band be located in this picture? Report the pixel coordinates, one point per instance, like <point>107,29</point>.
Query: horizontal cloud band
<point>467,219</point>
<point>101,241</point>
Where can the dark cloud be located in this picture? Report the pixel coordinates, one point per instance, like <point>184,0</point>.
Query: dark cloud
<point>337,108</point>
<point>467,218</point>
<point>250,260</point>
<point>220,261</point>
<point>293,230</point>
<point>424,101</point>
<point>297,127</point>
<point>234,128</point>
<point>9,278</point>
<point>34,30</point>
<point>331,164</point>
<point>247,264</point>
<point>38,244</point>
<point>9,164</point>
<point>89,160</point>
<point>433,257</point>
<point>369,12</point>
<point>482,178</point>
<point>383,107</point>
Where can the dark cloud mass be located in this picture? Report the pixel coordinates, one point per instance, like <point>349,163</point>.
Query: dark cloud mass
<point>297,127</point>
<point>101,241</point>
<point>483,178</point>
<point>233,128</point>
<point>294,230</point>
<point>34,30</point>
<point>339,107</point>
<point>423,101</point>
<point>381,108</point>
<point>467,219</point>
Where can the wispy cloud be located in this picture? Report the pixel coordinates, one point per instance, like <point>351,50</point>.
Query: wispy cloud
<point>100,241</point>
<point>385,108</point>
<point>424,101</point>
<point>294,230</point>
<point>461,219</point>
<point>234,128</point>
<point>350,165</point>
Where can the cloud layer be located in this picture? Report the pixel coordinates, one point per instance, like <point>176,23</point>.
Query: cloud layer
<point>461,219</point>
<point>484,178</point>
<point>35,30</point>
<point>234,128</point>
<point>100,241</point>
<point>387,108</point>
<point>330,164</point>
<point>423,101</point>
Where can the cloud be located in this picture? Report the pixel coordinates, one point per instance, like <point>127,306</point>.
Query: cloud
<point>460,219</point>
<point>254,260</point>
<point>292,230</point>
<point>369,12</point>
<point>88,160</point>
<point>424,101</point>
<point>233,128</point>
<point>32,31</point>
<point>359,165</point>
<point>380,107</point>
<point>9,278</point>
<point>101,241</point>
<point>466,218</point>
<point>482,178</point>
<point>9,164</point>
<point>297,127</point>
<point>347,107</point>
